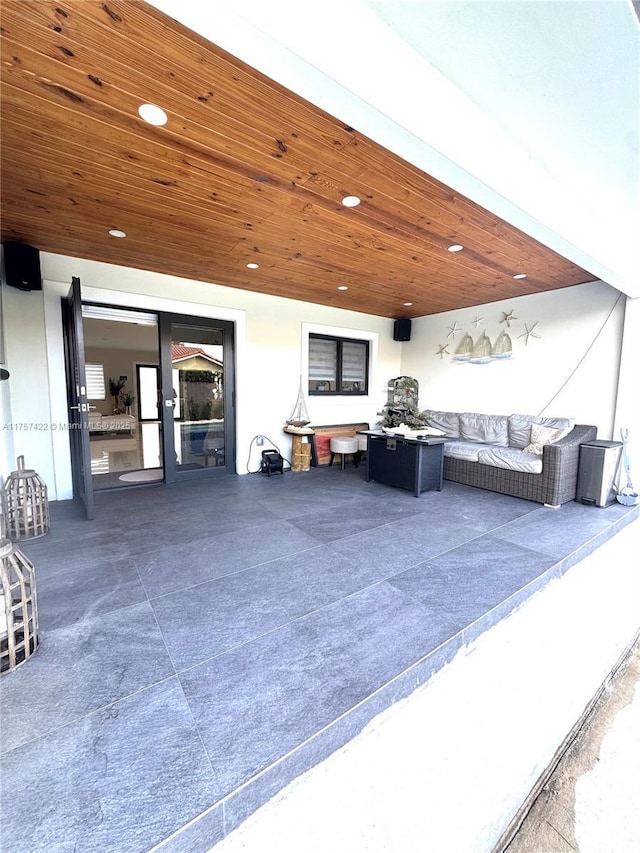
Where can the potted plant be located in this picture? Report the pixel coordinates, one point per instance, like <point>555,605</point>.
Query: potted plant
<point>115,387</point>
<point>127,399</point>
<point>399,414</point>
<point>401,409</point>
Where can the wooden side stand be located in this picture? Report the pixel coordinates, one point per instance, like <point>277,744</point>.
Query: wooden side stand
<point>300,450</point>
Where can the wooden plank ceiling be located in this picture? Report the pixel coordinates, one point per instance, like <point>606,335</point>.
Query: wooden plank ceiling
<point>243,172</point>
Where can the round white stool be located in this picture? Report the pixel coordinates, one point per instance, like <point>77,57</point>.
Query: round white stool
<point>362,445</point>
<point>344,446</point>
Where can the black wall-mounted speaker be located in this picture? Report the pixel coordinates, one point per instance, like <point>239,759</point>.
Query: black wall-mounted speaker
<point>22,266</point>
<point>402,330</point>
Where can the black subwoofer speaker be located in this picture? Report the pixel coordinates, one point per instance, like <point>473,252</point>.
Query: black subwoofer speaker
<point>22,266</point>
<point>402,330</point>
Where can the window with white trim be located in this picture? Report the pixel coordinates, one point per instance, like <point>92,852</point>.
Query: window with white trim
<point>338,366</point>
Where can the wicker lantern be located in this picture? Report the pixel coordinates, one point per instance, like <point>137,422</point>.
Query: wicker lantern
<point>18,607</point>
<point>24,504</point>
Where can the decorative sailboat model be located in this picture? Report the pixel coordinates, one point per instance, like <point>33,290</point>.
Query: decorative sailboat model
<point>503,348</point>
<point>465,348</point>
<point>482,350</point>
<point>299,417</point>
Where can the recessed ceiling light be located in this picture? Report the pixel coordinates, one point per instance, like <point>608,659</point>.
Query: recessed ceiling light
<point>253,266</point>
<point>520,275</point>
<point>152,114</point>
<point>455,248</point>
<point>343,287</point>
<point>115,232</point>
<point>351,201</point>
<point>407,304</point>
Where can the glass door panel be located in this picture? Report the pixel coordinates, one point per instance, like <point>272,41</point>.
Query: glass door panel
<point>149,412</point>
<point>148,385</point>
<point>123,348</point>
<point>198,391</point>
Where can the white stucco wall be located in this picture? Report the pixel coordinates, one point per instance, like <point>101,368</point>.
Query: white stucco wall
<point>6,436</point>
<point>27,430</point>
<point>570,370</point>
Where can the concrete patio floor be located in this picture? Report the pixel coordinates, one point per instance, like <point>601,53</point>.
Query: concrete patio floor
<point>202,645</point>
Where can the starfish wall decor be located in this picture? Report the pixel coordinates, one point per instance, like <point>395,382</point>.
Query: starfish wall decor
<point>442,351</point>
<point>529,333</point>
<point>508,317</point>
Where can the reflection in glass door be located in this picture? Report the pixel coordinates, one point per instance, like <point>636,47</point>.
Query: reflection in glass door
<point>196,396</point>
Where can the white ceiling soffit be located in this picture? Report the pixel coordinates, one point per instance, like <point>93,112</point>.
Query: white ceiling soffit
<point>531,109</point>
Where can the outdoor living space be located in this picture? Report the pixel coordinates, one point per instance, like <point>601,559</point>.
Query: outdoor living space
<point>201,646</point>
<point>221,241</point>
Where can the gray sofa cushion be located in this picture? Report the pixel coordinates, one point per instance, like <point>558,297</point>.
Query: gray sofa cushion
<point>468,450</point>
<point>485,429</point>
<point>448,422</point>
<point>519,427</point>
<point>511,458</point>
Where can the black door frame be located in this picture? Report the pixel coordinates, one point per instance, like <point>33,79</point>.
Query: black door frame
<point>77,402</point>
<point>165,320</point>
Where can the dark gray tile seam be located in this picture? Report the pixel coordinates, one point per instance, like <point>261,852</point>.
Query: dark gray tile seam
<point>76,720</point>
<point>228,574</point>
<point>479,535</point>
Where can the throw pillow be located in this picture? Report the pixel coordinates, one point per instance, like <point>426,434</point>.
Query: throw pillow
<point>541,435</point>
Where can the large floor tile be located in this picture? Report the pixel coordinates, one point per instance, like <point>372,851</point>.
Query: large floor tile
<point>77,550</point>
<point>167,531</point>
<point>399,545</point>
<point>213,617</point>
<point>80,594</point>
<point>556,533</point>
<point>257,702</point>
<point>463,584</point>
<point>188,563</point>
<point>79,668</point>
<point>364,514</point>
<point>118,781</point>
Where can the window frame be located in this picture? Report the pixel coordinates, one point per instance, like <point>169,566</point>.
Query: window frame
<point>340,340</point>
<point>96,385</point>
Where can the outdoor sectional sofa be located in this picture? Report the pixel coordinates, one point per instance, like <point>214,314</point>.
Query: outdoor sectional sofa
<point>525,456</point>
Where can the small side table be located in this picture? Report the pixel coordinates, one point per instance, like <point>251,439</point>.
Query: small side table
<point>300,450</point>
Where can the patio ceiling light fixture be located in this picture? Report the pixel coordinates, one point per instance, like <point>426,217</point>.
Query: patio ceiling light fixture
<point>152,114</point>
<point>351,201</point>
